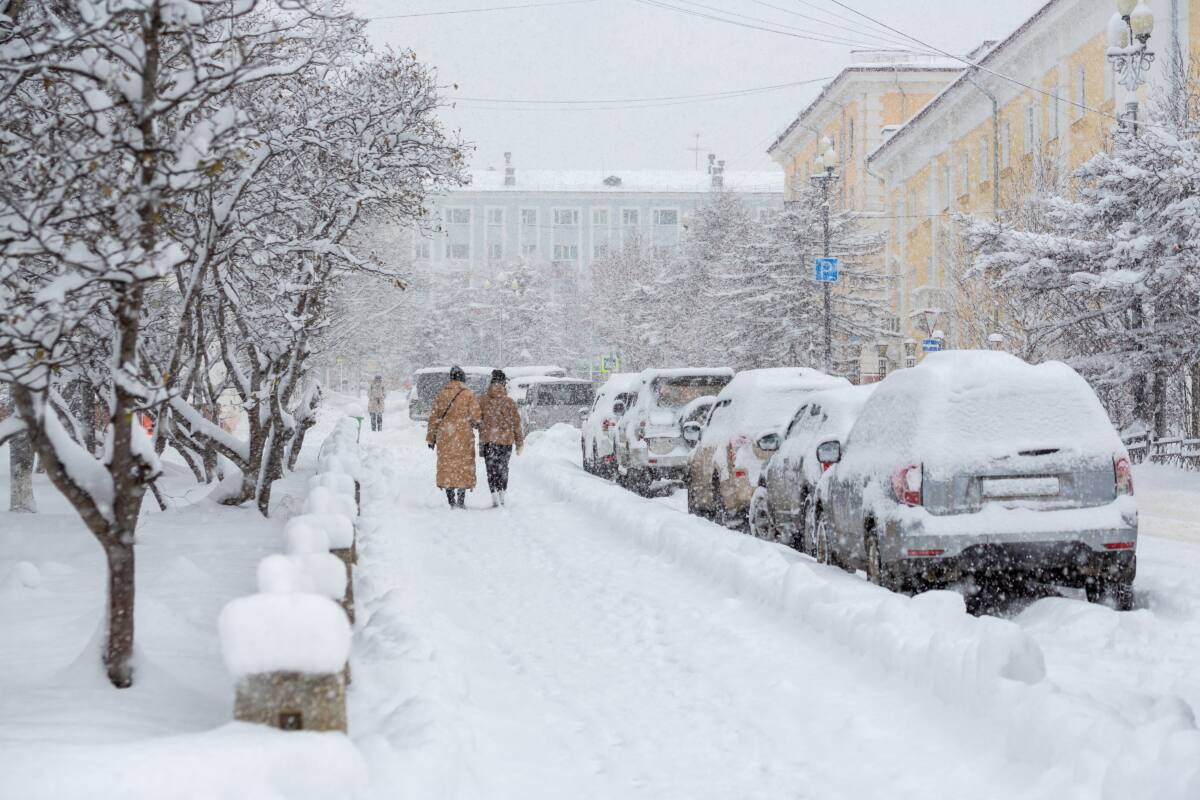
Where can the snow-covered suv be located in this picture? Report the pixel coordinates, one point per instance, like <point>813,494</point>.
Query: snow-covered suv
<point>596,439</point>
<point>650,443</point>
<point>976,463</point>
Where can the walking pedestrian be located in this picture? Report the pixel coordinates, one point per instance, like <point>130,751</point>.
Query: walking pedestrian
<point>376,397</point>
<point>452,423</point>
<point>500,431</point>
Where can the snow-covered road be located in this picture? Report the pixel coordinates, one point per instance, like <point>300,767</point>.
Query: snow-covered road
<point>584,642</point>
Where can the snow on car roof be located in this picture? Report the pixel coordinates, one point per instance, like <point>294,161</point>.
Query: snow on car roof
<point>536,379</point>
<point>841,407</point>
<point>971,405</point>
<point>527,372</point>
<point>781,379</point>
<point>620,381</point>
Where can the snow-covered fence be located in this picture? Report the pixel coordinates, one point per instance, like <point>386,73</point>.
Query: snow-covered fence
<point>1172,451</point>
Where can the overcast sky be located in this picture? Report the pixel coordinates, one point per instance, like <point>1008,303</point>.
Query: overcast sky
<point>602,50</point>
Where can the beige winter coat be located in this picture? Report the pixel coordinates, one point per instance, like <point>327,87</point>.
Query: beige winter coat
<point>452,422</point>
<point>501,420</point>
<point>375,397</point>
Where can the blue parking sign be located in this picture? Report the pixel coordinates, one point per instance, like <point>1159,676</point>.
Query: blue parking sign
<point>931,345</point>
<point>826,270</point>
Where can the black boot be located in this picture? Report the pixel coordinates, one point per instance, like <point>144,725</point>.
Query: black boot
<point>461,499</point>
<point>450,497</point>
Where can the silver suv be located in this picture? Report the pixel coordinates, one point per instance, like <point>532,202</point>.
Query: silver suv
<point>978,463</point>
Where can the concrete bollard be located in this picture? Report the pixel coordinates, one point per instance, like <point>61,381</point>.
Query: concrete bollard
<point>293,701</point>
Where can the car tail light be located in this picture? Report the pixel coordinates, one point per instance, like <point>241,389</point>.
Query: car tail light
<point>925,553</point>
<point>1123,472</point>
<point>605,424</point>
<point>1118,546</point>
<point>906,485</point>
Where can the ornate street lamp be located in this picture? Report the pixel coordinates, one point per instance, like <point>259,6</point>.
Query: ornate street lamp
<point>1128,36</point>
<point>823,177</point>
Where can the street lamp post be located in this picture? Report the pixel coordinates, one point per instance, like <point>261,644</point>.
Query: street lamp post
<point>823,177</point>
<point>1128,34</point>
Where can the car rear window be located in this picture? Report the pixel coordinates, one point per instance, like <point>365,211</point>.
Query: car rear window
<point>564,394</point>
<point>678,392</point>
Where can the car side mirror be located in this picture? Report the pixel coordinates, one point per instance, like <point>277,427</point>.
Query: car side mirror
<point>769,442</point>
<point>692,432</point>
<point>829,452</point>
<point>619,408</point>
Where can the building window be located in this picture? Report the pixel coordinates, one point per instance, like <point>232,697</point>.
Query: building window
<point>985,159</point>
<point>629,217</point>
<point>1030,127</point>
<point>1006,145</point>
<point>666,216</point>
<point>421,251</point>
<point>1080,91</point>
<point>947,185</point>
<point>529,217</point>
<point>495,251</point>
<point>566,252</point>
<point>495,216</point>
<point>1055,108</point>
<point>599,216</point>
<point>458,252</point>
<point>599,249</point>
<point>458,216</point>
<point>529,250</point>
<point>661,251</point>
<point>767,215</point>
<point>851,137</point>
<point>566,216</point>
<point>964,173</point>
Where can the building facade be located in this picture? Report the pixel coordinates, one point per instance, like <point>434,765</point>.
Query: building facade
<point>563,220</point>
<point>1038,104</point>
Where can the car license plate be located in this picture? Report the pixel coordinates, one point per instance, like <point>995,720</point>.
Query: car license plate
<point>1020,487</point>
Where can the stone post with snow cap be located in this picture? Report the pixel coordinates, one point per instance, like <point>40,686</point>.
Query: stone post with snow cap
<point>287,648</point>
<point>331,534</point>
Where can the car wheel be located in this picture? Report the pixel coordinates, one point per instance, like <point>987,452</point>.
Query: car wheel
<point>877,572</point>
<point>721,514</point>
<point>640,480</point>
<point>761,526</point>
<point>822,546</point>
<point>805,537</point>
<point>588,466</point>
<point>1116,592</point>
<point>693,506</point>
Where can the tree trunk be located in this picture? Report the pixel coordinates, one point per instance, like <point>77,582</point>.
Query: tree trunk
<point>20,459</point>
<point>81,400</point>
<point>1160,405</point>
<point>118,647</point>
<point>1196,400</point>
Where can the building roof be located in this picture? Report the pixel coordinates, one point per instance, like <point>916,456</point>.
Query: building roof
<point>962,79</point>
<point>889,61</point>
<point>631,181</point>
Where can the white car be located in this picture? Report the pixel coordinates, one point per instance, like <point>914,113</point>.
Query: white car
<point>597,438</point>
<point>650,443</point>
<point>544,402</point>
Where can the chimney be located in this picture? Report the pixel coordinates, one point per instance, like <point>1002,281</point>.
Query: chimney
<point>718,174</point>
<point>510,173</point>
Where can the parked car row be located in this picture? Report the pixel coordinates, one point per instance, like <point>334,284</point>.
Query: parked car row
<point>971,464</point>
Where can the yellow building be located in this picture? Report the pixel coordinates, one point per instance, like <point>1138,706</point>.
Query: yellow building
<point>1036,105</point>
<point>878,92</point>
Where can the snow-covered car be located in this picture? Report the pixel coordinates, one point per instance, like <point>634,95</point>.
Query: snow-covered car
<point>745,427</point>
<point>784,504</point>
<point>650,442</point>
<point>977,463</point>
<point>427,382</point>
<point>599,430</point>
<point>544,402</point>
<point>534,372</point>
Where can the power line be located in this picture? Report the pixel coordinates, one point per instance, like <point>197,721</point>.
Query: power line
<point>483,10</point>
<point>887,39</point>
<point>638,101</point>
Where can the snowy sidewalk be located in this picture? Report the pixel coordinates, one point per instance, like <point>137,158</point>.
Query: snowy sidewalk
<point>530,652</point>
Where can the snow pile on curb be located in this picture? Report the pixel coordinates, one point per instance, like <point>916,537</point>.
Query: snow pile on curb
<point>986,666</point>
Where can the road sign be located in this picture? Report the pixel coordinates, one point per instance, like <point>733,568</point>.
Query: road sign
<point>826,270</point>
<point>609,364</point>
<point>931,345</point>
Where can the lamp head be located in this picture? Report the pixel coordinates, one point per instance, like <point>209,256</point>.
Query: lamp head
<point>1142,22</point>
<point>1125,7</point>
<point>1118,33</point>
<point>830,160</point>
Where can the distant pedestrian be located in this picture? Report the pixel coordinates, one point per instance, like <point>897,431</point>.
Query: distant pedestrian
<point>452,422</point>
<point>376,397</point>
<point>499,432</point>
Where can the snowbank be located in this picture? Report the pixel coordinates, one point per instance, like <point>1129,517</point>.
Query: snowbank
<point>300,532</point>
<point>289,632</point>
<point>988,667</point>
<point>325,501</point>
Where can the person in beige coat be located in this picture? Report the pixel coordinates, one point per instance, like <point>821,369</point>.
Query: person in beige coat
<point>452,422</point>
<point>376,397</point>
<point>500,431</point>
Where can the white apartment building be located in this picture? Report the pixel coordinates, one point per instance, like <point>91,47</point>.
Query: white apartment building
<point>563,220</point>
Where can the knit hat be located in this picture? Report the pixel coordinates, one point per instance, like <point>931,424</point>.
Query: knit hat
<point>457,374</point>
<point>498,376</point>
